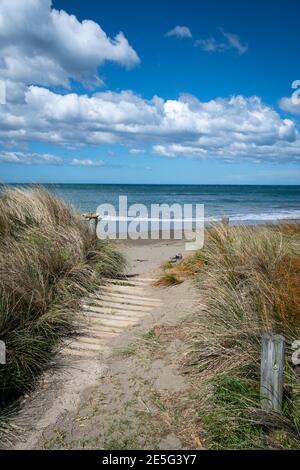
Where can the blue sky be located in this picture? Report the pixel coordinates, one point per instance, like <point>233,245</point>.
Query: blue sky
<point>191,92</point>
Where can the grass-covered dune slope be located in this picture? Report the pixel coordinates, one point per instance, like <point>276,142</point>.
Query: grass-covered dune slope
<point>249,283</point>
<point>49,259</point>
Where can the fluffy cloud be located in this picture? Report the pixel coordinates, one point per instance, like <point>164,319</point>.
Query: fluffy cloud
<point>235,42</point>
<point>284,152</point>
<point>29,158</point>
<point>79,162</point>
<point>179,32</point>
<point>290,105</point>
<point>136,151</point>
<point>41,45</point>
<point>211,45</point>
<point>232,42</point>
<point>22,158</point>
<point>227,128</point>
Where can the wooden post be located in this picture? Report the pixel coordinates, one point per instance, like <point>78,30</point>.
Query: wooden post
<point>93,224</point>
<point>2,352</point>
<point>272,369</point>
<point>225,220</point>
<point>92,219</point>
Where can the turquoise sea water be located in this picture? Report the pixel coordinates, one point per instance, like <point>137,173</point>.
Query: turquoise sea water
<point>243,204</point>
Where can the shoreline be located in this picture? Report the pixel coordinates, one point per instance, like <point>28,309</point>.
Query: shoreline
<point>244,204</point>
<point>178,235</point>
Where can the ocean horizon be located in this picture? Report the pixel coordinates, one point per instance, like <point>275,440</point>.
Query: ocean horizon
<point>248,204</point>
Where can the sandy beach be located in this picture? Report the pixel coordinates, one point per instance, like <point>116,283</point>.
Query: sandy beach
<point>146,256</point>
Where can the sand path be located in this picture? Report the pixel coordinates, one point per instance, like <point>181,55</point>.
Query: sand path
<point>118,384</point>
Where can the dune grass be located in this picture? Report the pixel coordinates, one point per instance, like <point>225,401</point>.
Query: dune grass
<point>168,279</point>
<point>249,279</point>
<point>49,259</point>
<point>173,274</point>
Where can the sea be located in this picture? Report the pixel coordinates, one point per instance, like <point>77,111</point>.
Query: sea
<point>243,204</point>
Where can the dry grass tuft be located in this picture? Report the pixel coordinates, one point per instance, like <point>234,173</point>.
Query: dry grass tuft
<point>168,279</point>
<point>173,274</point>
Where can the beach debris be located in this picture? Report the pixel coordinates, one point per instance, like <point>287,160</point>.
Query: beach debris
<point>176,258</point>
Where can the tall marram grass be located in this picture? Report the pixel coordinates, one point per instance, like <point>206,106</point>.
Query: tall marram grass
<point>249,284</point>
<point>49,259</point>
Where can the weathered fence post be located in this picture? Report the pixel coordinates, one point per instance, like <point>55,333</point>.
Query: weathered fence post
<point>272,370</point>
<point>92,219</point>
<point>225,220</point>
<point>2,352</point>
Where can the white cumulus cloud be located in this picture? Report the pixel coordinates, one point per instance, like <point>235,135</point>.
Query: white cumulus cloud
<point>211,45</point>
<point>28,158</point>
<point>290,105</point>
<point>136,151</point>
<point>179,32</point>
<point>86,162</point>
<point>235,42</point>
<point>229,41</point>
<point>226,128</point>
<point>45,46</point>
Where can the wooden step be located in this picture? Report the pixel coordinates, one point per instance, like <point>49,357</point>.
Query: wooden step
<point>114,323</point>
<point>117,306</point>
<point>119,315</point>
<point>117,298</point>
<point>130,283</point>
<point>99,334</point>
<point>124,293</point>
<point>123,289</point>
<point>100,317</point>
<point>94,341</point>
